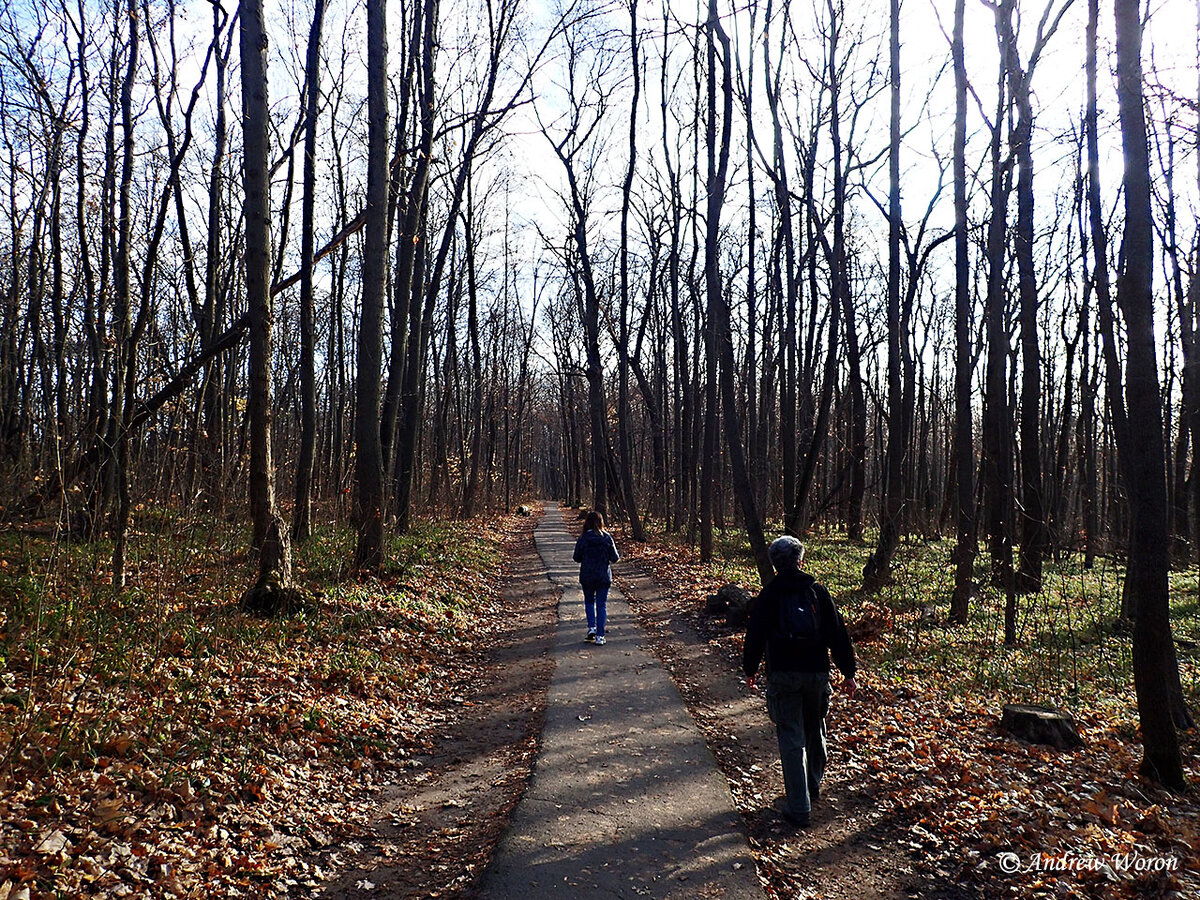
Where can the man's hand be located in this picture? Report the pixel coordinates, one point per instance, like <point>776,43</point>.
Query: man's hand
<point>849,687</point>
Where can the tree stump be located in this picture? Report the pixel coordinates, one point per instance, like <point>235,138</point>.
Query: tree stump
<point>1041,725</point>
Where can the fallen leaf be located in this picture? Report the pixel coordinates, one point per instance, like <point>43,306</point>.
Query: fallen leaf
<point>52,842</point>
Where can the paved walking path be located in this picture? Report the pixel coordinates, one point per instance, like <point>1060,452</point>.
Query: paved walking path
<point>625,800</point>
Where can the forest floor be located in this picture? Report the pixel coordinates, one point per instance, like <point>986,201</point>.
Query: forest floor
<point>160,743</point>
<point>925,796</point>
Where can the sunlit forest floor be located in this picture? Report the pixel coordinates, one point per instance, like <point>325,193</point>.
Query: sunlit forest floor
<point>1072,649</point>
<point>160,743</point>
<point>949,791</point>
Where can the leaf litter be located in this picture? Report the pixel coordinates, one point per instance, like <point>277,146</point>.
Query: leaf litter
<point>161,743</point>
<point>924,794</point>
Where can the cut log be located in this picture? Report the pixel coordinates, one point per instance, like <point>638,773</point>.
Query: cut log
<point>1041,725</point>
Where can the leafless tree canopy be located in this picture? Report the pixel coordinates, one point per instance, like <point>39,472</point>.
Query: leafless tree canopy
<point>823,264</point>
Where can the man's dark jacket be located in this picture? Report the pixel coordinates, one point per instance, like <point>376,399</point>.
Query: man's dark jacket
<point>787,655</point>
<point>594,551</point>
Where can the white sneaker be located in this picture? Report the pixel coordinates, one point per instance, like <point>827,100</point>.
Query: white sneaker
<point>599,639</point>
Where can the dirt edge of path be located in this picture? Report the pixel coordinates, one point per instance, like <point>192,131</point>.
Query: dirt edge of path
<point>853,851</point>
<point>439,819</point>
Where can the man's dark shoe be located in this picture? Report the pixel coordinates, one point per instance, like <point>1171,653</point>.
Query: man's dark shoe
<point>797,821</point>
<point>785,812</point>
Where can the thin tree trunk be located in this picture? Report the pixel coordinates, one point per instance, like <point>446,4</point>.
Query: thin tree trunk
<point>964,441</point>
<point>878,570</point>
<point>302,515</point>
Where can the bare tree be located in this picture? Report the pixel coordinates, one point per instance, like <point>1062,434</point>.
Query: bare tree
<point>302,515</point>
<point>878,570</point>
<point>1154,664</point>
<point>624,441</point>
<point>270,536</point>
<point>369,512</point>
<point>718,306</point>
<point>964,441</point>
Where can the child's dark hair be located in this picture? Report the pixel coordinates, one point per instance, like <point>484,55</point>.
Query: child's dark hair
<point>594,521</point>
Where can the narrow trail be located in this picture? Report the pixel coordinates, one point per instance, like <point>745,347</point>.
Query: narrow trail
<point>626,800</point>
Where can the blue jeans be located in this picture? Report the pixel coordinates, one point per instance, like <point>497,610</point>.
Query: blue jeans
<point>595,602</point>
<point>797,703</point>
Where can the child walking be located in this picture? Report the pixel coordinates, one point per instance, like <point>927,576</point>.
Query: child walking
<point>594,551</point>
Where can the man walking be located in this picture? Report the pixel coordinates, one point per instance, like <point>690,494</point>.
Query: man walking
<point>796,623</point>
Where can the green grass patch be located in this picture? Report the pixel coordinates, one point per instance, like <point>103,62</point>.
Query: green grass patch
<point>1072,648</point>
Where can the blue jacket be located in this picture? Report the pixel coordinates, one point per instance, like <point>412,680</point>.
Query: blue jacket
<point>594,551</point>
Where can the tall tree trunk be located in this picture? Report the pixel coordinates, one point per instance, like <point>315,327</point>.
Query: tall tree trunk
<point>1191,349</point>
<point>788,278</point>
<point>212,314</point>
<point>625,444</point>
<point>1154,663</point>
<point>270,538</point>
<point>405,294</point>
<point>302,515</point>
<point>997,420</point>
<point>718,307</point>
<point>369,453</point>
<point>124,372</point>
<point>964,441</point>
<point>1100,273</point>
<point>878,570</point>
<point>841,275</point>
<point>1033,518</point>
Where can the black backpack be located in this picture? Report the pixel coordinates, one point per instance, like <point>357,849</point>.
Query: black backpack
<point>799,618</point>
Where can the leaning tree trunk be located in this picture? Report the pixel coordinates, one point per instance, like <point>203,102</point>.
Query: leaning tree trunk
<point>1033,518</point>
<point>1154,662</point>
<point>718,308</point>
